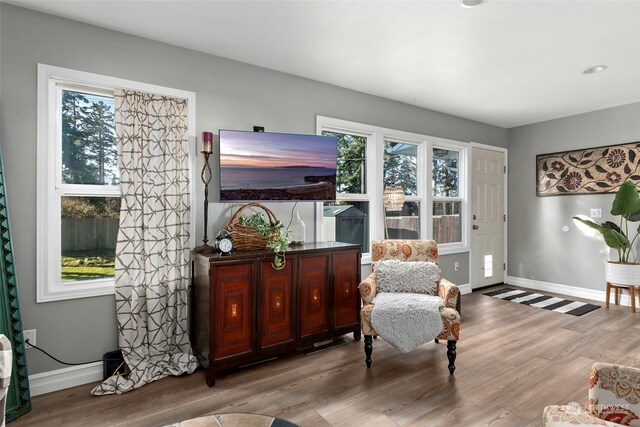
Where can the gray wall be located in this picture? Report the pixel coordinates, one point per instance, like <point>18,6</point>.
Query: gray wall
<point>230,95</point>
<point>538,248</point>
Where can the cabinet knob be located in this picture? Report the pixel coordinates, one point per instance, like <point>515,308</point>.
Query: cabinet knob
<point>277,302</point>
<point>234,310</point>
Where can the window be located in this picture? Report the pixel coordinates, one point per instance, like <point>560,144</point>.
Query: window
<point>429,171</point>
<point>88,233</point>
<point>446,191</point>
<point>351,176</point>
<point>400,170</point>
<point>347,219</point>
<point>401,166</point>
<point>86,189</point>
<point>87,137</point>
<point>79,181</point>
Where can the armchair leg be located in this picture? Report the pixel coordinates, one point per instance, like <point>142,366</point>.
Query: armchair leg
<point>368,349</point>
<point>451,354</point>
<point>436,341</point>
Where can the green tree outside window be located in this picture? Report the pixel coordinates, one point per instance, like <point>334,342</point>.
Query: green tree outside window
<point>351,173</point>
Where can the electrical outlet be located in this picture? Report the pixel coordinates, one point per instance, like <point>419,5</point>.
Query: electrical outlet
<point>456,266</point>
<point>30,335</point>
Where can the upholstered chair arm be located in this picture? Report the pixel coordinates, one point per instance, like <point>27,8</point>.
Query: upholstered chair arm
<point>365,320</point>
<point>448,292</point>
<point>368,288</point>
<point>614,393</point>
<point>571,416</point>
<point>450,324</point>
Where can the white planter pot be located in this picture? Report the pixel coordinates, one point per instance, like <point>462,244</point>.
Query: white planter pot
<point>623,274</point>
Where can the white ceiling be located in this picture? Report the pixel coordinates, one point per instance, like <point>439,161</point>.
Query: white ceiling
<point>506,62</point>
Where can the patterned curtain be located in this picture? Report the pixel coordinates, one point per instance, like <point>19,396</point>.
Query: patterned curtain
<point>152,255</point>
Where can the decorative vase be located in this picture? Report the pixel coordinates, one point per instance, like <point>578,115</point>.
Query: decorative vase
<point>297,230</point>
<point>622,274</point>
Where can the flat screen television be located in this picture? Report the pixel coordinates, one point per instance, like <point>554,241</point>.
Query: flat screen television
<point>258,166</point>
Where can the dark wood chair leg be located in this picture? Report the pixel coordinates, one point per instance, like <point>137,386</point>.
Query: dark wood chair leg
<point>451,354</point>
<point>357,335</point>
<point>211,377</point>
<point>368,349</point>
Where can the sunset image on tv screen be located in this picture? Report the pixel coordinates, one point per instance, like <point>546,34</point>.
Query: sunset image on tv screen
<point>276,166</point>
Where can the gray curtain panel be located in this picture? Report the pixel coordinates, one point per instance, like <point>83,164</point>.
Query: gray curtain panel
<point>152,254</point>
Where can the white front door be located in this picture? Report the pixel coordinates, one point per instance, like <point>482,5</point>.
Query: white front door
<point>488,219</point>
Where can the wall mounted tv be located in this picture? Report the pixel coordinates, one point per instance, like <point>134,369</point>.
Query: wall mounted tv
<point>258,166</point>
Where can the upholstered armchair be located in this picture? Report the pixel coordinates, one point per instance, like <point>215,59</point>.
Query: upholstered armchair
<point>411,250</point>
<point>614,400</point>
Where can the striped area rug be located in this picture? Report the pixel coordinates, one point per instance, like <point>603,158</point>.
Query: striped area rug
<point>559,305</point>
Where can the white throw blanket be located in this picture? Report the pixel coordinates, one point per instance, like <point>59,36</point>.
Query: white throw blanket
<point>406,320</point>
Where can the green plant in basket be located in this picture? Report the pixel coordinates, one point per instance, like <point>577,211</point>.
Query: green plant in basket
<point>278,236</point>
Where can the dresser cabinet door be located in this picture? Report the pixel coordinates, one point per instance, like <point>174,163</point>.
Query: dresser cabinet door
<point>345,293</point>
<point>275,300</point>
<point>232,310</point>
<point>313,279</point>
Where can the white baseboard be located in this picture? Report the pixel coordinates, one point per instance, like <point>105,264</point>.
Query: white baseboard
<point>46,382</point>
<point>465,289</point>
<point>573,291</point>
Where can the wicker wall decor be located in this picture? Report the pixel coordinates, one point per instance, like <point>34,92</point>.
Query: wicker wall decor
<point>587,171</point>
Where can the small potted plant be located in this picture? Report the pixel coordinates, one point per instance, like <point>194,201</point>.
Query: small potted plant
<point>626,205</point>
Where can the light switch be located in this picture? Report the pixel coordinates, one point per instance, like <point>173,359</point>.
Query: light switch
<point>596,213</point>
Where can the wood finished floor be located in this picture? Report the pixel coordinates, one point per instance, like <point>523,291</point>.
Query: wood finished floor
<point>513,360</point>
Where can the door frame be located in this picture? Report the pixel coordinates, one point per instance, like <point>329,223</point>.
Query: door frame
<point>472,266</point>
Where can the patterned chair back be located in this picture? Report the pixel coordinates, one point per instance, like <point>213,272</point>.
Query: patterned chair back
<point>404,250</point>
<point>614,393</point>
<point>6,360</point>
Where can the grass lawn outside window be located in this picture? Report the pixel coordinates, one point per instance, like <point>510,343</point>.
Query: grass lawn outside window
<point>87,265</point>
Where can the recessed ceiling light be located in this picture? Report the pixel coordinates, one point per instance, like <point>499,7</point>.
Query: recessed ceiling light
<point>472,3</point>
<point>595,69</point>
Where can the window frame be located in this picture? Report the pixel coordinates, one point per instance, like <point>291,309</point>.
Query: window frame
<point>423,187</point>
<point>342,126</point>
<point>50,188</point>
<point>375,176</point>
<point>463,194</point>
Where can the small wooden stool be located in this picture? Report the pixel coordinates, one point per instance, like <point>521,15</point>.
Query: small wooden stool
<point>632,293</point>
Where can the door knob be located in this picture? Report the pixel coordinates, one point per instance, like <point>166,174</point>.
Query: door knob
<point>475,227</point>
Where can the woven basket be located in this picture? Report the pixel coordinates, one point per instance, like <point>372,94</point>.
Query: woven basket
<point>247,237</point>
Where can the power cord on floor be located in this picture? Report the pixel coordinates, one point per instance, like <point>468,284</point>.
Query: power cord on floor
<point>55,358</point>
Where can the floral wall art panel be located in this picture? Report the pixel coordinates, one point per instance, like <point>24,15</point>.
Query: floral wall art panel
<point>588,171</point>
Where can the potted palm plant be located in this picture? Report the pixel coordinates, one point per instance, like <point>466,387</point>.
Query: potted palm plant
<point>626,205</point>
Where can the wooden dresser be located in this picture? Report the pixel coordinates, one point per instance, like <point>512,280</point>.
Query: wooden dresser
<point>244,310</point>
